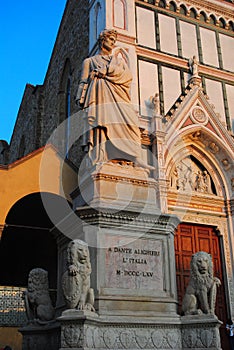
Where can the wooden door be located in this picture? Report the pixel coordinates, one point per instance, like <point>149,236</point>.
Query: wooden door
<point>190,239</point>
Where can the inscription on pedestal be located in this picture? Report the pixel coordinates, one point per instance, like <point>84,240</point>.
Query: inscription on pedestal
<point>137,264</point>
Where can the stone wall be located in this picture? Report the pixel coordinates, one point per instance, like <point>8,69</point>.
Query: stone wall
<point>43,107</point>
<point>23,140</point>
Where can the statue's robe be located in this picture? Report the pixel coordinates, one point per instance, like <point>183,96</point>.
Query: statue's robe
<point>107,108</point>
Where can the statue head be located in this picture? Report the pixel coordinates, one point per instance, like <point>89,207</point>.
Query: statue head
<point>106,34</point>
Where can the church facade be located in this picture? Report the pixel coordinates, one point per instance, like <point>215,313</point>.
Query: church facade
<point>181,57</point>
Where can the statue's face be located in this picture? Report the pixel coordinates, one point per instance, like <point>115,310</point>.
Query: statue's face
<point>109,42</point>
<point>82,252</point>
<point>203,265</point>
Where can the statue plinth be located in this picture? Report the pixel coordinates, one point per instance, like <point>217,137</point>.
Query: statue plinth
<point>38,336</point>
<point>118,186</point>
<point>200,332</point>
<point>195,80</point>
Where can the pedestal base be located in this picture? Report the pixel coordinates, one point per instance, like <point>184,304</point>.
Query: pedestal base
<point>85,331</point>
<point>115,186</point>
<point>200,332</point>
<point>41,337</point>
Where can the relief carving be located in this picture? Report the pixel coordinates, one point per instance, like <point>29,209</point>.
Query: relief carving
<point>71,336</point>
<point>188,176</point>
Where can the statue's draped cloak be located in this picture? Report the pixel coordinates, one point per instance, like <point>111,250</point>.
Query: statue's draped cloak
<point>107,103</point>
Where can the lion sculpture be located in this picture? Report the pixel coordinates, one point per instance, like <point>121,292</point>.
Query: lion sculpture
<point>76,280</point>
<point>200,296</point>
<point>37,300</point>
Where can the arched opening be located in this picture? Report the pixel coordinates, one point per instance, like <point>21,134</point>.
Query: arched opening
<point>212,20</point>
<point>193,13</point>
<point>172,6</point>
<point>183,10</point>
<point>222,23</point>
<point>162,4</point>
<point>203,16</point>
<point>231,25</point>
<point>27,242</point>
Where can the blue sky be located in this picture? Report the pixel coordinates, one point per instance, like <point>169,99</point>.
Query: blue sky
<point>28,30</point>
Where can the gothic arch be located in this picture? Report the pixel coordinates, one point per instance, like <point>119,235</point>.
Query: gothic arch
<point>193,13</point>
<point>213,20</point>
<point>120,14</point>
<point>196,158</point>
<point>208,148</point>
<point>183,10</point>
<point>222,23</point>
<point>172,6</point>
<point>203,16</point>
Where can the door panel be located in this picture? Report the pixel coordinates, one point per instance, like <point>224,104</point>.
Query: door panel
<point>190,239</point>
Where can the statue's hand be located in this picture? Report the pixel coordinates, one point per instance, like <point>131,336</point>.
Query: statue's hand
<point>97,73</point>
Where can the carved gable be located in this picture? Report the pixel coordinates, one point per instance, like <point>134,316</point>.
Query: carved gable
<point>195,134</point>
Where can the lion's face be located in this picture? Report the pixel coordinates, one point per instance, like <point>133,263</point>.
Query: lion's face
<point>37,280</point>
<point>201,263</point>
<point>81,251</point>
<point>82,254</point>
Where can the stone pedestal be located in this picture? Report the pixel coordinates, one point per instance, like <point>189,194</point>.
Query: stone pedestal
<point>133,262</point>
<point>200,332</point>
<point>133,275</point>
<point>118,186</point>
<point>41,337</point>
<point>86,331</point>
<point>83,331</point>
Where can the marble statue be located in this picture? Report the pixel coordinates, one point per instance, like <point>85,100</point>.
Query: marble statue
<point>155,102</point>
<point>193,66</point>
<point>200,296</point>
<point>76,280</point>
<point>38,305</point>
<point>104,96</point>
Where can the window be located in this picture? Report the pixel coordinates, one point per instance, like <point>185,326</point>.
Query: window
<point>171,87</point>
<point>230,101</point>
<point>188,39</point>
<point>226,43</point>
<point>209,47</point>
<point>146,27</point>
<point>167,31</point>
<point>148,85</point>
<point>215,92</point>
